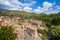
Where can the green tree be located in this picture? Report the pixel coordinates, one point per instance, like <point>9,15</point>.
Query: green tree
<point>6,33</point>
<point>55,32</point>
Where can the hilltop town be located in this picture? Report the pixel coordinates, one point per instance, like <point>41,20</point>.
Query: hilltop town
<point>30,26</point>
<point>25,29</point>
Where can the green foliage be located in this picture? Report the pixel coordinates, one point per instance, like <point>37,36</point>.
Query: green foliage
<point>43,32</point>
<point>48,24</point>
<point>55,31</point>
<point>55,21</point>
<point>50,20</point>
<point>6,33</point>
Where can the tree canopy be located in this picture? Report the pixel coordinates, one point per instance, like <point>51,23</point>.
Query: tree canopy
<point>6,33</point>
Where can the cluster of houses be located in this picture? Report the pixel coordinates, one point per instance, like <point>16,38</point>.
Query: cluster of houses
<point>27,30</point>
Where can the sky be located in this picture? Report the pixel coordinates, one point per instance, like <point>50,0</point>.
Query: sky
<point>37,6</point>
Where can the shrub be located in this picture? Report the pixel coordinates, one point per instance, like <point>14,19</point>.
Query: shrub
<point>6,33</point>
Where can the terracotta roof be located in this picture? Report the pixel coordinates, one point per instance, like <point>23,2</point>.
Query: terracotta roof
<point>29,25</point>
<point>37,21</point>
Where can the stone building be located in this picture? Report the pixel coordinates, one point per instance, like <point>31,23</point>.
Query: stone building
<point>16,19</point>
<point>38,23</point>
<point>30,32</point>
<point>26,31</point>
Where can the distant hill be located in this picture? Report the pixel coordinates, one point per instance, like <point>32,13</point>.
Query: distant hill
<point>27,15</point>
<point>11,13</point>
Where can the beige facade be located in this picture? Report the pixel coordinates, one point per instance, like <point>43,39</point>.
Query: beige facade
<point>39,24</point>
<point>26,31</point>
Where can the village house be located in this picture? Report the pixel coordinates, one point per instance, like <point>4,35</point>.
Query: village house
<point>16,19</point>
<point>38,23</point>
<point>32,31</point>
<point>6,21</point>
<point>25,31</point>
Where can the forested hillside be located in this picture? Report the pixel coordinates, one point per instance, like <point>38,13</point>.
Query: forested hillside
<point>52,21</point>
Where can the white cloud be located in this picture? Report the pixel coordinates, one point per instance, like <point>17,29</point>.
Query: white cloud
<point>10,4</point>
<point>17,5</point>
<point>27,9</point>
<point>39,7</point>
<point>38,10</point>
<point>46,7</point>
<point>14,4</point>
<point>2,2</point>
<point>58,7</point>
<point>51,11</point>
<point>29,4</point>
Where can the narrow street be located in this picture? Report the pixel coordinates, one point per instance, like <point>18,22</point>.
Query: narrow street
<point>25,34</point>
